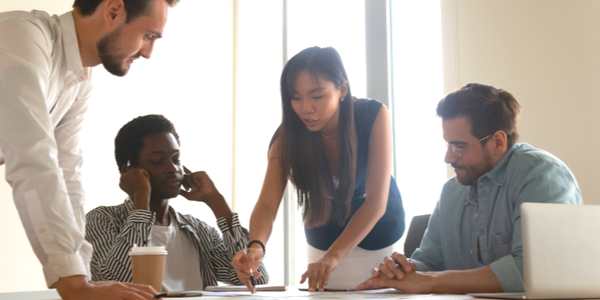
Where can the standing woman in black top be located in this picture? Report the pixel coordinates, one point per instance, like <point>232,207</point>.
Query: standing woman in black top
<point>337,151</point>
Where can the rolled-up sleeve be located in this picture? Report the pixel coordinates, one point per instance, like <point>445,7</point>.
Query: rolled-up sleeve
<point>508,274</point>
<point>112,243</point>
<point>30,151</point>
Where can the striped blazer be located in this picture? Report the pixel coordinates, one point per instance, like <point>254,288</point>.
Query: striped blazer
<point>113,230</point>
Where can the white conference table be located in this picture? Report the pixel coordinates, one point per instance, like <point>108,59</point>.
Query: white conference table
<point>291,293</point>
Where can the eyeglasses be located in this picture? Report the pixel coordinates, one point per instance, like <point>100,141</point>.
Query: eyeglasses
<point>459,149</point>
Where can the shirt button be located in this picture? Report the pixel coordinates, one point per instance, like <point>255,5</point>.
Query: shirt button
<point>471,251</point>
<point>476,215</point>
<point>42,230</point>
<point>79,73</point>
<point>56,268</point>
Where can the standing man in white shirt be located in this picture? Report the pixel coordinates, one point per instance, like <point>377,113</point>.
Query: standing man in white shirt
<point>45,83</point>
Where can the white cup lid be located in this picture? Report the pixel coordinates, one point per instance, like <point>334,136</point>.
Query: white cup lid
<point>158,250</point>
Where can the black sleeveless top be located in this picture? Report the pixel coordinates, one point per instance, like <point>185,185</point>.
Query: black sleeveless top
<point>390,227</point>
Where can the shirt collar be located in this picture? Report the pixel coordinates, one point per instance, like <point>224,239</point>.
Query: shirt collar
<point>471,195</point>
<point>70,43</point>
<point>496,174</point>
<point>177,217</point>
<point>182,224</point>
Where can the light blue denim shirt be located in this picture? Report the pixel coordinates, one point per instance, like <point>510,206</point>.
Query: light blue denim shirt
<point>491,212</point>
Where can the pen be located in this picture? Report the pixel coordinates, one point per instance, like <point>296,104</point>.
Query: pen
<point>178,294</point>
<point>252,281</point>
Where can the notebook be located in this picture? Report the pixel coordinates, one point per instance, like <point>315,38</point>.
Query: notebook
<point>241,288</point>
<point>561,252</point>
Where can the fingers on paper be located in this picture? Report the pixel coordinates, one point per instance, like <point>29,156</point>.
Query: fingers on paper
<point>318,277</point>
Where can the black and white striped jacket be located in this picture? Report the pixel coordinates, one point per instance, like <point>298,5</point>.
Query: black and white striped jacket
<point>113,230</point>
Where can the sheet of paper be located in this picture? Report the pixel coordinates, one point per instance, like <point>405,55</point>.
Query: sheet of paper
<point>237,288</point>
<point>294,294</point>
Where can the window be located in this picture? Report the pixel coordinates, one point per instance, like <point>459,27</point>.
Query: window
<point>417,87</point>
<point>257,113</point>
<point>336,23</point>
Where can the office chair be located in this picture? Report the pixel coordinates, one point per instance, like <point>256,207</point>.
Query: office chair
<point>415,233</point>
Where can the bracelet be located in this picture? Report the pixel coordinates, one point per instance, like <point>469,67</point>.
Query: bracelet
<point>260,243</point>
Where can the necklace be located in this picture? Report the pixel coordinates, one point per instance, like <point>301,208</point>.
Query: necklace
<point>329,136</point>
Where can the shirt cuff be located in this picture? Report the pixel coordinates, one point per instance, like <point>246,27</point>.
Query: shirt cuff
<point>508,274</point>
<point>222,223</point>
<point>141,216</point>
<point>63,265</point>
<point>419,265</point>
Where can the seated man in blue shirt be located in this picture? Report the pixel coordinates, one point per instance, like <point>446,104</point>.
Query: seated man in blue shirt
<point>473,241</point>
<point>147,154</point>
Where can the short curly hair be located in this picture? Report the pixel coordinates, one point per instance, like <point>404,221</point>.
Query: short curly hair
<point>129,140</point>
<point>134,8</point>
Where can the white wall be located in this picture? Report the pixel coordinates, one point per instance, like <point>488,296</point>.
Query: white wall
<point>547,54</point>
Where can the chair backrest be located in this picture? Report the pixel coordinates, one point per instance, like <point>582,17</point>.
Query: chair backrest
<point>417,228</point>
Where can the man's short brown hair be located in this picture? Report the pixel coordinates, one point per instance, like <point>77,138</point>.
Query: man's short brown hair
<point>489,109</point>
<point>134,8</point>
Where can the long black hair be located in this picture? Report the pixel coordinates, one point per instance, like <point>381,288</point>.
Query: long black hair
<point>301,152</point>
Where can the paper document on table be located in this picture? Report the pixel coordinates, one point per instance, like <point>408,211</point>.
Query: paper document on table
<point>327,289</point>
<point>382,296</point>
<point>395,294</point>
<point>241,288</point>
<point>259,295</point>
<point>500,295</point>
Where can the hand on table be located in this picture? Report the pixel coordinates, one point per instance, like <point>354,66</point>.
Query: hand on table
<point>396,266</point>
<point>411,283</point>
<point>318,273</point>
<point>396,271</point>
<point>77,288</point>
<point>243,261</point>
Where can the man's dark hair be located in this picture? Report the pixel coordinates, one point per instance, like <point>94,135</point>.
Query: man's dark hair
<point>129,140</point>
<point>489,109</point>
<point>134,8</point>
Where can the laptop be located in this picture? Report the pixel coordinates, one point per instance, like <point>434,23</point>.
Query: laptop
<point>561,252</point>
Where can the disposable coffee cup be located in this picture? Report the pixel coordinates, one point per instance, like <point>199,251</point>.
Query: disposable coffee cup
<point>147,265</point>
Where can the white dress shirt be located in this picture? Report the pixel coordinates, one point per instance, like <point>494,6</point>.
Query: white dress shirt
<point>44,91</point>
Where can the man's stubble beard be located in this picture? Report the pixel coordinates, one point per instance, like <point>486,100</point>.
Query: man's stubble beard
<point>473,174</point>
<point>107,46</point>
